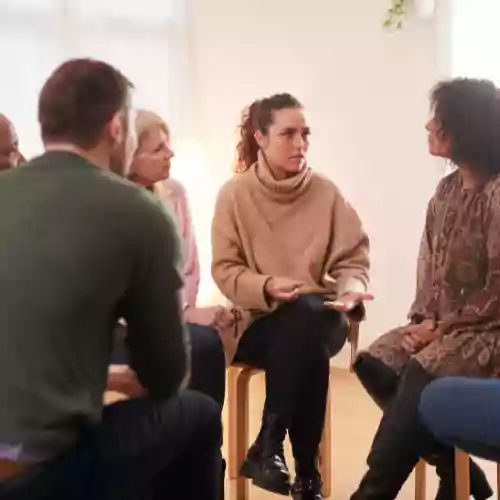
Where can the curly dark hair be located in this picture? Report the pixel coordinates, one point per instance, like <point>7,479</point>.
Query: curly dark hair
<point>78,100</point>
<point>258,116</point>
<point>468,113</point>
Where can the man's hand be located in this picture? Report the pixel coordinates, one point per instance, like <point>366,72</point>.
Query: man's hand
<point>349,301</point>
<point>125,381</point>
<point>283,289</point>
<point>215,317</point>
<point>418,336</point>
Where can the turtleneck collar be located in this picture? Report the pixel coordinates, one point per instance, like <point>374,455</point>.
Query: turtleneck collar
<point>284,190</point>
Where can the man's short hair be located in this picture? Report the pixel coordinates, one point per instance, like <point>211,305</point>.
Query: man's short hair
<point>79,99</point>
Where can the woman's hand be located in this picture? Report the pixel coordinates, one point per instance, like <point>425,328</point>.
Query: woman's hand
<point>283,289</point>
<point>418,336</point>
<point>219,317</point>
<point>349,301</point>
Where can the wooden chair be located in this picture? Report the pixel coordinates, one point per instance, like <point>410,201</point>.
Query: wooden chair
<point>420,480</point>
<point>238,422</point>
<point>462,479</point>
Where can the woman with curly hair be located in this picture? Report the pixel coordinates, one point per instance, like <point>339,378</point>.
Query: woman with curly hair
<point>284,241</point>
<point>454,324</point>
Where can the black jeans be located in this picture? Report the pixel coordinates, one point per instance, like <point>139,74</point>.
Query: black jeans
<point>294,345</point>
<point>208,363</point>
<point>142,450</point>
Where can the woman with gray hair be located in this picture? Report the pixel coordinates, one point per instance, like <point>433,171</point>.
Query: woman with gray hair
<point>151,168</point>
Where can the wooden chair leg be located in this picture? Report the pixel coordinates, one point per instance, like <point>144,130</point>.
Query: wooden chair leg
<point>498,479</point>
<point>462,480</point>
<point>232,424</point>
<point>242,392</point>
<point>353,339</point>
<point>420,480</point>
<point>325,450</point>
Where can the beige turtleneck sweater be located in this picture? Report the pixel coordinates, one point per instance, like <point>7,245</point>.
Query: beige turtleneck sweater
<point>300,228</point>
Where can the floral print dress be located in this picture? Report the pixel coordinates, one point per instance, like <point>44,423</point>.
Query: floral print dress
<point>458,284</point>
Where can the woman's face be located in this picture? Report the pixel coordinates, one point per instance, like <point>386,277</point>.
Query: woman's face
<point>287,140</point>
<point>438,143</point>
<point>152,160</point>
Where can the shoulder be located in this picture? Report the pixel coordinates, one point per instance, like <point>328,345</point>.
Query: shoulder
<point>141,209</point>
<point>322,187</point>
<point>322,182</point>
<point>492,191</point>
<point>173,188</point>
<point>173,195</point>
<point>493,186</point>
<point>448,184</point>
<point>237,184</point>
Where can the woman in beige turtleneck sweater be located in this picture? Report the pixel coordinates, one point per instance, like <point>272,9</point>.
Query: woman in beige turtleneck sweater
<point>290,250</point>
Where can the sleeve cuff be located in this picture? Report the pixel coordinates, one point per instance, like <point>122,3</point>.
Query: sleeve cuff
<point>253,288</point>
<point>351,285</point>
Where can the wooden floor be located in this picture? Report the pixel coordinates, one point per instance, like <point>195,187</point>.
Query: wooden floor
<point>354,419</point>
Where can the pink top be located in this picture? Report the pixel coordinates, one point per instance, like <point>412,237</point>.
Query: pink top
<point>173,193</point>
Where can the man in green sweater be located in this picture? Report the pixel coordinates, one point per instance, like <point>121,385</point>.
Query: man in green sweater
<point>80,248</point>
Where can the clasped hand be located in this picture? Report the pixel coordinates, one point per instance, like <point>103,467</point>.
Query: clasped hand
<point>418,336</point>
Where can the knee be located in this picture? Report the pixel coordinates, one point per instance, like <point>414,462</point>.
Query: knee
<point>379,380</point>
<point>207,414</point>
<point>361,365</point>
<point>368,367</point>
<point>297,321</point>
<point>304,306</point>
<point>435,406</point>
<point>309,313</point>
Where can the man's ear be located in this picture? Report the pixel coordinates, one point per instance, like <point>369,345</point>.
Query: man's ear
<point>116,128</point>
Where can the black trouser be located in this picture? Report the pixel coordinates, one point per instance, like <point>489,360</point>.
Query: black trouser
<point>294,345</point>
<point>401,438</point>
<point>208,363</point>
<point>399,441</point>
<point>142,450</point>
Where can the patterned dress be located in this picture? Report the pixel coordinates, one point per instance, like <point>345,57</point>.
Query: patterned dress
<point>458,284</point>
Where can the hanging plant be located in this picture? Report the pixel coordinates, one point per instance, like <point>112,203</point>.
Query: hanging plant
<point>396,14</point>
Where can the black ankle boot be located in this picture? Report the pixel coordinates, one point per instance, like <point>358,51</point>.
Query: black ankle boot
<point>480,488</point>
<point>265,462</point>
<point>307,489</point>
<point>308,484</point>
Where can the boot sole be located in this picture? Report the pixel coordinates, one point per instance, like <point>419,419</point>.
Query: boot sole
<point>249,471</point>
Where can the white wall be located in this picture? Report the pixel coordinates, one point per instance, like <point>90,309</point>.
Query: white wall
<point>366,95</point>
